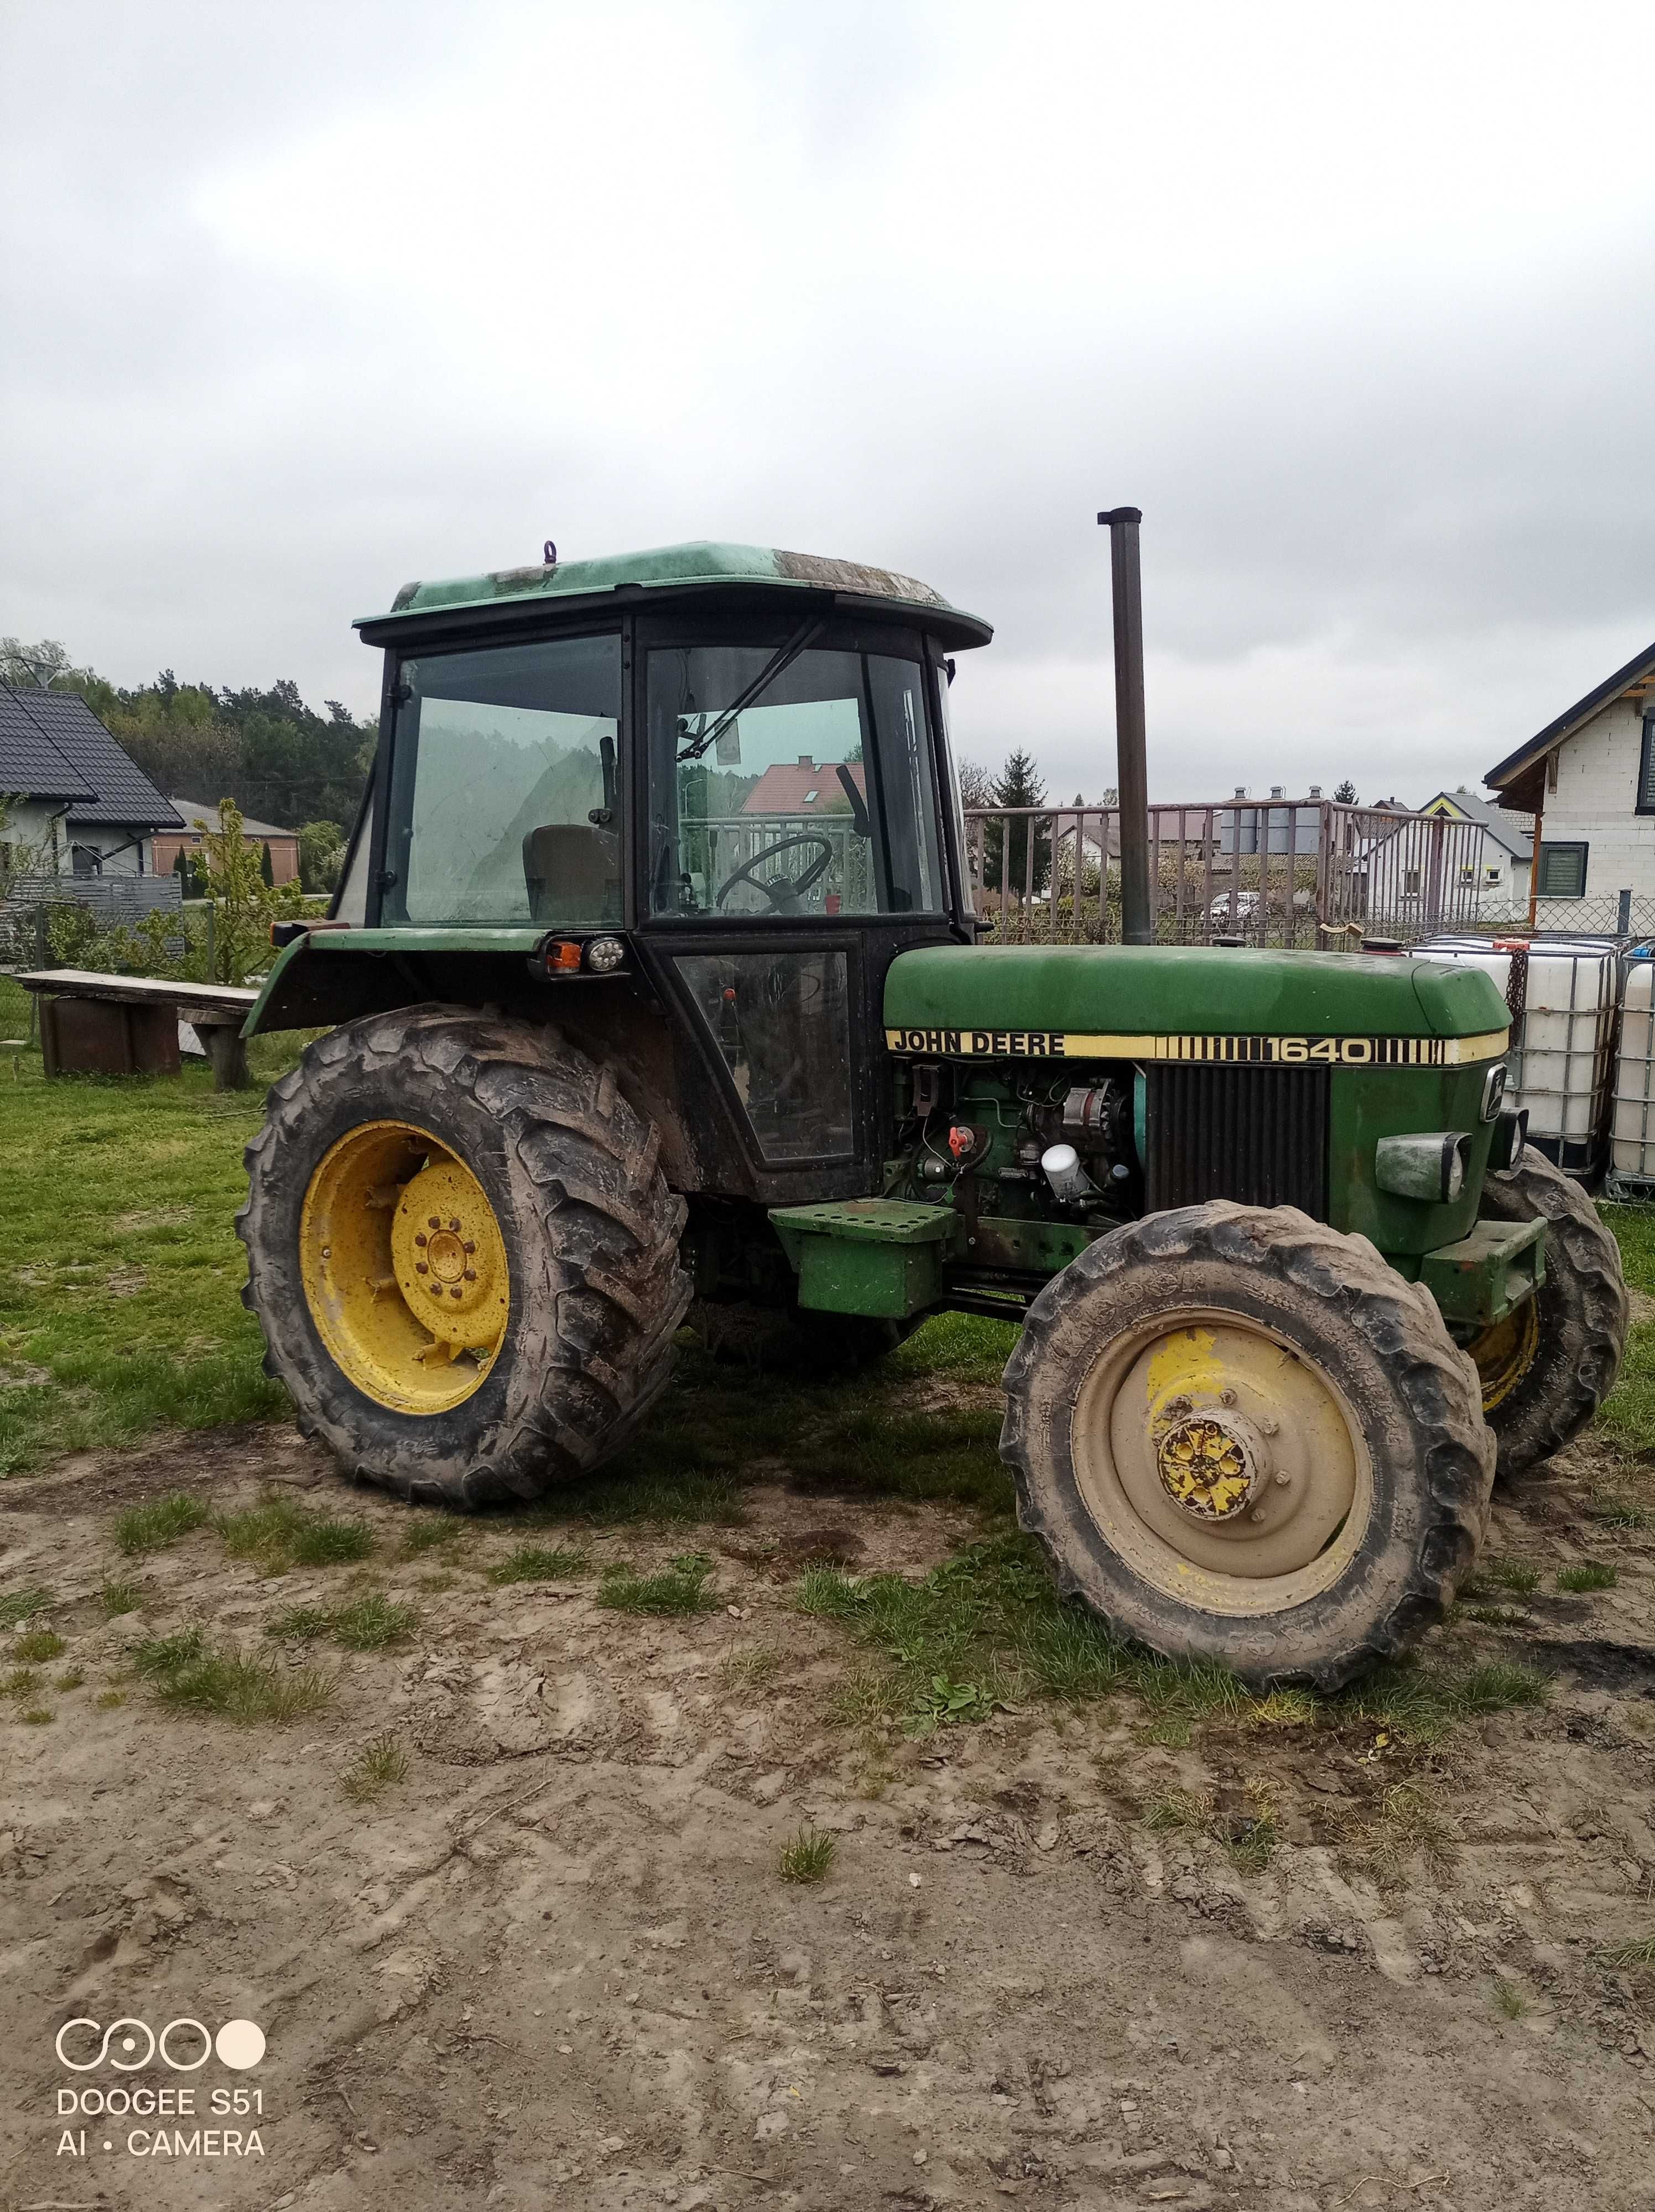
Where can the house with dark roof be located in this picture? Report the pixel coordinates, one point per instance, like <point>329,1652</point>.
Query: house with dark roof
<point>1590,777</point>
<point>76,805</point>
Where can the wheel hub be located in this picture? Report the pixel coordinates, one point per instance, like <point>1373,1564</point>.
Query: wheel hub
<point>404,1268</point>
<point>1211,1464</point>
<point>446,1249</point>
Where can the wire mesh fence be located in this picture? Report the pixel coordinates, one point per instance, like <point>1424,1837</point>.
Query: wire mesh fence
<point>1300,873</point>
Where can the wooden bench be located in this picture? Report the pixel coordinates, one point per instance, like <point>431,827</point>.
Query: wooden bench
<point>93,1025</point>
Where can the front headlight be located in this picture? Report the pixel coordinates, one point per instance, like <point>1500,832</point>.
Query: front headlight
<point>1493,1091</point>
<point>1430,1167</point>
<point>604,954</point>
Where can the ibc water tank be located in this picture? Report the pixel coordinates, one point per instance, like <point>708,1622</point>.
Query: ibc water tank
<point>1563,992</point>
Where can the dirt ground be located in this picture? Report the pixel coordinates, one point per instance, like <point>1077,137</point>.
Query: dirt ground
<point>555,1965</point>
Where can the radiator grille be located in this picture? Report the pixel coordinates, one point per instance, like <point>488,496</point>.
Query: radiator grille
<point>1259,1135</point>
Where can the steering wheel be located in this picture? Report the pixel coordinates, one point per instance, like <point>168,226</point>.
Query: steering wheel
<point>786,892</point>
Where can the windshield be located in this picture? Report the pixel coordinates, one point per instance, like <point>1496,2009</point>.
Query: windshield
<point>504,805</point>
<point>790,780</point>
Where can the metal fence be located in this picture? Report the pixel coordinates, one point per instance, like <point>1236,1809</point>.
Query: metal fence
<point>1297,873</point>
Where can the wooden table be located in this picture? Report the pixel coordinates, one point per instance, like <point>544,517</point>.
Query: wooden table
<point>93,1024</point>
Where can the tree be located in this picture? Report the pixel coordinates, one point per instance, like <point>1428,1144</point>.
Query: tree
<point>266,868</point>
<point>1006,857</point>
<point>1345,794</point>
<point>39,665</point>
<point>243,904</point>
<point>976,785</point>
<point>321,856</point>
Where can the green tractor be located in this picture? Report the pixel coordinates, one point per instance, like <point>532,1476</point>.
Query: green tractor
<point>653,976</point>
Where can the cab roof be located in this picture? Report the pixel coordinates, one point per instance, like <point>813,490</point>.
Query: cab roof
<point>680,570</point>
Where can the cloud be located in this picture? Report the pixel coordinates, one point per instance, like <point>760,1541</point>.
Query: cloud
<point>307,301</point>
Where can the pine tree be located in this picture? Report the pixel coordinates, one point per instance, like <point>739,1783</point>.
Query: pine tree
<point>1345,794</point>
<point>266,869</point>
<point>1006,852</point>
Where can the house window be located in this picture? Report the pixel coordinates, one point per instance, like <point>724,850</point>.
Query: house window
<point>1562,871</point>
<point>1468,875</point>
<point>1491,875</point>
<point>1410,883</point>
<point>1646,768</point>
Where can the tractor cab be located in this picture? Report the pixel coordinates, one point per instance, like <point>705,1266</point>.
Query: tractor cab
<point>719,775</point>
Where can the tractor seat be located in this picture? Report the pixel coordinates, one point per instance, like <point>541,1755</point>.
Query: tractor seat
<point>573,871</point>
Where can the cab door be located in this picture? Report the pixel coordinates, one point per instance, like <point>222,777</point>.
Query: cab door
<point>790,844</point>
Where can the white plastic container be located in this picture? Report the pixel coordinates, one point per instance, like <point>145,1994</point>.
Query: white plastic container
<point>1632,1152</point>
<point>1561,1059</point>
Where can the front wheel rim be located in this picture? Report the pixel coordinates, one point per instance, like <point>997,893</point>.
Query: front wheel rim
<point>404,1267</point>
<point>1224,1466</point>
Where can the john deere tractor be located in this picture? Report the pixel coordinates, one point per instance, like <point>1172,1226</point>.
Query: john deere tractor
<point>653,975</point>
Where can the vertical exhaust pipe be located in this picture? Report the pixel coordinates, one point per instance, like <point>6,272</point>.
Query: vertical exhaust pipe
<point>1132,771</point>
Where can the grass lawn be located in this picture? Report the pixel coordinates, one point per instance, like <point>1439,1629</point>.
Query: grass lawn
<point>120,1268</point>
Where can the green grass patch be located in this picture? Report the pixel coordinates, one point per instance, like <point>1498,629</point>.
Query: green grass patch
<point>22,1605</point>
<point>280,1533</point>
<point>111,1182</point>
<point>681,1588</point>
<point>378,1767</point>
<point>37,1645</point>
<point>152,1527</point>
<point>371,1623</point>
<point>117,1598</point>
<point>1639,1952</point>
<point>1520,1575</point>
<point>299,1624</point>
<point>538,1563</point>
<point>808,1856</point>
<point>1423,1704</point>
<point>185,1671</point>
<point>1590,1575</point>
<point>21,1682</point>
<point>430,1532</point>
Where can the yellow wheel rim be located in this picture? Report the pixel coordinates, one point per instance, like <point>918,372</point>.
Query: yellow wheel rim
<point>1504,1353</point>
<point>1223,1465</point>
<point>404,1267</point>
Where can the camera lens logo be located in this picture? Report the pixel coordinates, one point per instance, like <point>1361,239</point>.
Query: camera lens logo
<point>128,2043</point>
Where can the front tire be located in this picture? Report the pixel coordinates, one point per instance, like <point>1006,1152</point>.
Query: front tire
<point>1240,1436</point>
<point>463,1254</point>
<point>1547,1368</point>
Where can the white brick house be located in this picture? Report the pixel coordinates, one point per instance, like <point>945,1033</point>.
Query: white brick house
<point>1590,775</point>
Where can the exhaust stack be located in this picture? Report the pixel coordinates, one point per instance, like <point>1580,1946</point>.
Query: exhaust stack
<point>1132,771</point>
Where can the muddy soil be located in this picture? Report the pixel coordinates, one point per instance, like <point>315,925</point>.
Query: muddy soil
<point>555,1965</point>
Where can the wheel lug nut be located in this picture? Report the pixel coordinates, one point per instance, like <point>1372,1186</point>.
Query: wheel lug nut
<point>420,1239</point>
<point>468,1247</point>
<point>420,1267</point>
<point>1258,1513</point>
<point>453,1222</point>
<point>453,1294</point>
<point>470,1276</point>
<point>432,1222</point>
<point>1283,1479</point>
<point>1226,1397</point>
<point>1268,1427</point>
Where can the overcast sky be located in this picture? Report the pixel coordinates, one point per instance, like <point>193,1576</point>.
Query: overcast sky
<point>302,301</point>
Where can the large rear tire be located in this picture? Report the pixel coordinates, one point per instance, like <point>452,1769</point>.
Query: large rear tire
<point>463,1254</point>
<point>1547,1368</point>
<point>1240,1436</point>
